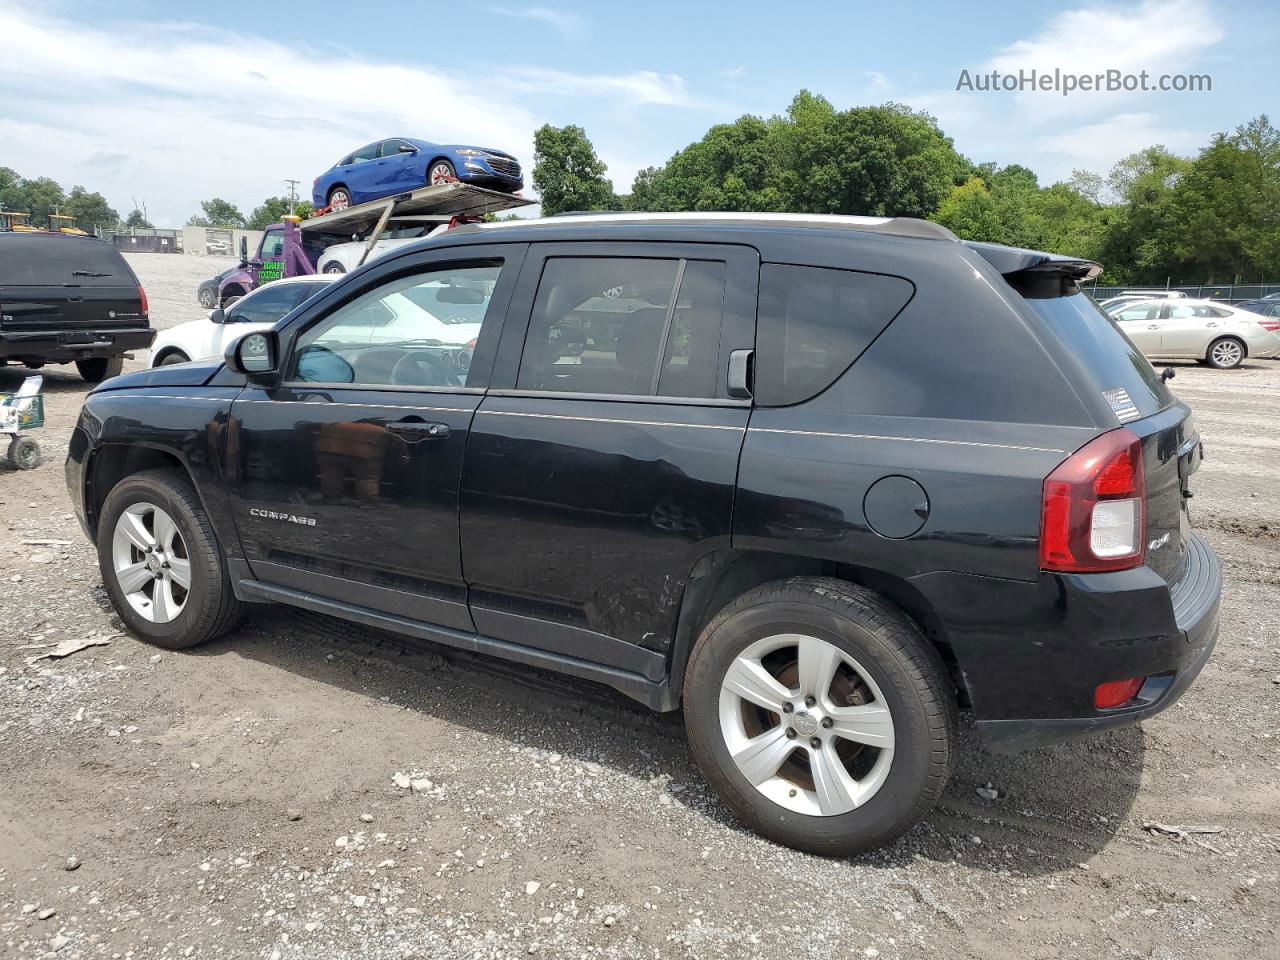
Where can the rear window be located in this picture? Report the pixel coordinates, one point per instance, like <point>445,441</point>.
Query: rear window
<point>1092,336</point>
<point>58,260</point>
<point>814,322</point>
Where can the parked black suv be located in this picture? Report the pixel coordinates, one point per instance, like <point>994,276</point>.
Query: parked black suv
<point>820,481</point>
<point>69,299</point>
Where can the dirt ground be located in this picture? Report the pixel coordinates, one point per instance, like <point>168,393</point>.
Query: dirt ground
<point>240,800</point>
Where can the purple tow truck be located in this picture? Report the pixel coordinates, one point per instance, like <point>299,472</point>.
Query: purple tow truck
<point>293,248</point>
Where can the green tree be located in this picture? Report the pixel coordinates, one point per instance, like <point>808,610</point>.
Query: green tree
<point>217,213</point>
<point>971,213</point>
<point>137,219</point>
<point>90,210</point>
<point>567,173</point>
<point>39,197</point>
<point>9,181</point>
<point>273,209</point>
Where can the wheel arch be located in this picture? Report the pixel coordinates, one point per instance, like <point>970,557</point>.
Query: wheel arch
<point>165,352</point>
<point>1244,346</point>
<point>436,159</point>
<point>110,463</point>
<point>718,578</point>
<point>229,291</point>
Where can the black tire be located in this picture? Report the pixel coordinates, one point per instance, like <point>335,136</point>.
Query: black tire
<point>172,357</point>
<point>24,453</point>
<point>205,296</point>
<point>438,170</point>
<point>100,368</point>
<point>1226,353</point>
<point>334,267</point>
<point>211,607</point>
<point>904,665</point>
<point>340,195</point>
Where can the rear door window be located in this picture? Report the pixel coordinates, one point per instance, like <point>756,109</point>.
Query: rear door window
<point>627,326</point>
<point>57,261</point>
<point>814,322</point>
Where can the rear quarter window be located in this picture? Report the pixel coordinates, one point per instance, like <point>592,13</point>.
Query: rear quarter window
<point>57,261</point>
<point>814,322</point>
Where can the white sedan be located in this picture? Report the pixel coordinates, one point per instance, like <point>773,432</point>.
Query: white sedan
<point>259,310</point>
<point>345,257</point>
<point>1204,330</point>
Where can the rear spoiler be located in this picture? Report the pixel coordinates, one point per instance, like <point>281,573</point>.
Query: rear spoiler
<point>1017,264</point>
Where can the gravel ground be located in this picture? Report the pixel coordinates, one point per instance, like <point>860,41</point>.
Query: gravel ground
<point>307,789</point>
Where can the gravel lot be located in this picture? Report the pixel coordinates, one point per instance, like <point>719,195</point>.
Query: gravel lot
<point>247,799</point>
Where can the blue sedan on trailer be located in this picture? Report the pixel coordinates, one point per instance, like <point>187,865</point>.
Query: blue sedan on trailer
<point>388,167</point>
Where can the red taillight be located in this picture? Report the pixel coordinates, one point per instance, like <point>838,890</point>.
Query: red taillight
<point>142,295</point>
<point>1272,325</point>
<point>1117,693</point>
<point>471,344</point>
<point>1093,510</point>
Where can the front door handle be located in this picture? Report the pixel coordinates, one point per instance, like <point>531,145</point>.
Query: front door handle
<point>1154,326</point>
<point>1210,324</point>
<point>413,430</point>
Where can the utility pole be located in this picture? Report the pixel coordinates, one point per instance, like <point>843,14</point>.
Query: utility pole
<point>293,194</point>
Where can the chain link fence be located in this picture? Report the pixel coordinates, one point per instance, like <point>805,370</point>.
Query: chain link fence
<point>1226,292</point>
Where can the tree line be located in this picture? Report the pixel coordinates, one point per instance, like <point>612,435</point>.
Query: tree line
<point>42,196</point>
<point>1154,217</point>
<point>222,213</point>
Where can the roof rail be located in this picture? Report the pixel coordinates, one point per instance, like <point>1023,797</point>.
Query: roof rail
<point>899,226</point>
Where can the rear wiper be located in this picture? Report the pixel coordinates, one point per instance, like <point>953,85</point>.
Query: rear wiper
<point>90,273</point>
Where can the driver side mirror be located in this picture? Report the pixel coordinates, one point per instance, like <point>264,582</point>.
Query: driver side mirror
<point>406,148</point>
<point>256,355</point>
<point>244,249</point>
<point>217,315</point>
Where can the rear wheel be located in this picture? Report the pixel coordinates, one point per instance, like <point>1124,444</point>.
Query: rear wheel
<point>161,563</point>
<point>339,198</point>
<point>821,715</point>
<point>205,296</point>
<point>172,357</point>
<point>100,368</point>
<point>441,172</point>
<point>1225,353</point>
<point>334,268</point>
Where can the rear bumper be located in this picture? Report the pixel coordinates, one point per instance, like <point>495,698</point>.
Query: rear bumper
<point>64,346</point>
<point>1032,670</point>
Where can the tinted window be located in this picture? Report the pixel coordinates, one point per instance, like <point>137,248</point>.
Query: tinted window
<point>1141,312</point>
<point>814,322</point>
<point>1089,334</point>
<point>391,148</point>
<point>617,325</point>
<point>365,154</point>
<point>414,331</point>
<point>56,260</point>
<point>271,303</point>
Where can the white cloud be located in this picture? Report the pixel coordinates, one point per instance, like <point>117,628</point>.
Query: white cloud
<point>569,24</point>
<point>1159,36</point>
<point>638,87</point>
<point>733,73</point>
<point>177,112</point>
<point>879,81</point>
<point>1097,146</point>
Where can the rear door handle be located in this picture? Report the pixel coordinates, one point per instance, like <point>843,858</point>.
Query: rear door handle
<point>413,430</point>
<point>1154,326</point>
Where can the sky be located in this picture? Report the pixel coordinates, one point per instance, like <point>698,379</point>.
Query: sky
<point>169,103</point>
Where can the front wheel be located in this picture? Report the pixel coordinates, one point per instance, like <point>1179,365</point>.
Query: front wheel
<point>172,357</point>
<point>161,563</point>
<point>821,715</point>
<point>100,368</point>
<point>334,267</point>
<point>441,172</point>
<point>1225,353</point>
<point>205,296</point>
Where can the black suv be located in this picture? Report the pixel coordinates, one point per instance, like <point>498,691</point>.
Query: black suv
<point>819,481</point>
<point>65,299</point>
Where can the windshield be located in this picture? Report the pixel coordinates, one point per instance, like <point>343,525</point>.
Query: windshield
<point>1091,335</point>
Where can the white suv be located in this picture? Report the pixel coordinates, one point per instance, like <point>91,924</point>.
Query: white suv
<point>259,310</point>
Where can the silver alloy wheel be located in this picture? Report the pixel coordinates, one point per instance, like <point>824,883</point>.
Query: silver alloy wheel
<point>441,173</point>
<point>151,562</point>
<point>806,725</point>
<point>1226,353</point>
<point>339,200</point>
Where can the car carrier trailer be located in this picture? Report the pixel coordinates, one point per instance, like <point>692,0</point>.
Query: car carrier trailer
<point>293,248</point>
